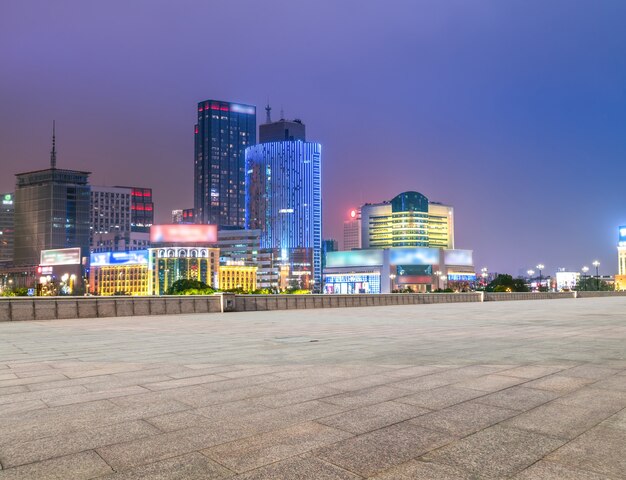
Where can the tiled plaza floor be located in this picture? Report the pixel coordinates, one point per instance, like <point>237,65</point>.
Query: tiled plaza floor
<point>523,390</point>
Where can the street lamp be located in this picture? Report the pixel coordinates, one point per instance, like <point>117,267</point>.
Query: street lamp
<point>597,265</point>
<point>530,277</point>
<point>585,269</point>
<point>438,274</point>
<point>392,276</point>
<point>540,267</point>
<point>484,274</point>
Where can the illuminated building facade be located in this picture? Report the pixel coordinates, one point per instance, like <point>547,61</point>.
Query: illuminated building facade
<point>141,209</point>
<point>7,220</point>
<point>234,276</point>
<point>169,264</point>
<point>284,201</point>
<point>223,132</point>
<point>110,212</point>
<point>420,269</point>
<point>125,273</point>
<point>620,278</point>
<point>408,220</point>
<point>352,230</point>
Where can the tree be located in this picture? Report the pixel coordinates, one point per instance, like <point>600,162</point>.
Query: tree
<point>189,287</point>
<point>506,283</point>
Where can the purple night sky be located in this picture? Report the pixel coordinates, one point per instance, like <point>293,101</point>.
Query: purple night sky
<point>514,112</point>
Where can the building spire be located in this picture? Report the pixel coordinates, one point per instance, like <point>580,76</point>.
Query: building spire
<point>268,110</point>
<point>53,153</point>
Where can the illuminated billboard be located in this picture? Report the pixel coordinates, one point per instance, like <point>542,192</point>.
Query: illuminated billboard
<point>462,258</point>
<point>354,258</point>
<point>181,233</point>
<point>62,256</point>
<point>622,235</point>
<point>137,257</point>
<point>414,256</point>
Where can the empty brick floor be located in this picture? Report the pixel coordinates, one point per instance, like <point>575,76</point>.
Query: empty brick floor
<point>523,390</point>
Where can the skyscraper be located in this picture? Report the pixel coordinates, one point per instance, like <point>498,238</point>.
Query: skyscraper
<point>223,132</point>
<point>51,211</point>
<point>352,231</point>
<point>284,200</point>
<point>7,220</point>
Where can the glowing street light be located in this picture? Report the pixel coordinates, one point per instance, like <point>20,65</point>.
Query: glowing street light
<point>540,267</point>
<point>585,269</point>
<point>597,265</point>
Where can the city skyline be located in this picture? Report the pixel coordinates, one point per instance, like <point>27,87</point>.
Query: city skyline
<point>530,153</point>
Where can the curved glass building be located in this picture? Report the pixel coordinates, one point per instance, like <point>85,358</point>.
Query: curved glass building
<point>284,201</point>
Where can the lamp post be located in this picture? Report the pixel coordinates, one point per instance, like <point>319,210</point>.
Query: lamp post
<point>585,269</point>
<point>530,278</point>
<point>392,277</point>
<point>438,275</point>
<point>484,274</point>
<point>597,265</point>
<point>540,267</point>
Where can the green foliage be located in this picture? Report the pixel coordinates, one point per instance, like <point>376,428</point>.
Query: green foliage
<point>189,287</point>
<point>296,291</point>
<point>592,284</point>
<point>506,283</point>
<point>443,290</point>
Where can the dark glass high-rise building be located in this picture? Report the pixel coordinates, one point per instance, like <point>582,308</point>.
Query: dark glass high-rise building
<point>52,210</point>
<point>223,132</point>
<point>7,213</point>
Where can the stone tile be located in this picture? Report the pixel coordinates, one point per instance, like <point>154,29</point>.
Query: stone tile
<point>616,421</point>
<point>464,418</point>
<point>590,371</point>
<point>377,451</point>
<point>60,445</point>
<point>366,396</point>
<point>596,398</point>
<point>495,453</point>
<point>490,383</point>
<point>372,417</point>
<point>559,420</point>
<point>91,396</point>
<point>299,468</point>
<point>23,406</point>
<point>559,383</point>
<point>193,466</point>
<point>31,380</point>
<point>183,382</point>
<point>543,470</point>
<point>300,395</point>
<point>532,371</point>
<point>518,398</point>
<point>80,466</point>
<point>616,382</point>
<point>418,470</point>
<point>441,397</point>
<point>599,450</point>
<point>259,450</point>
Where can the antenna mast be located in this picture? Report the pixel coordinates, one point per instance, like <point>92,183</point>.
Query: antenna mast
<point>53,153</point>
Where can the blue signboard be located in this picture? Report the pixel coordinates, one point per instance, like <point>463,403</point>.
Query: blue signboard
<point>137,257</point>
<point>354,258</point>
<point>414,256</point>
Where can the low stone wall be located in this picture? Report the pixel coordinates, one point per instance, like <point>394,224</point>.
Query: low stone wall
<point>54,308</point>
<point>586,294</point>
<point>498,297</point>
<point>253,303</point>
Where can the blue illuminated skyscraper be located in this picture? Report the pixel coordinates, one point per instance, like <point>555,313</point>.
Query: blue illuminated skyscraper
<point>284,199</point>
<point>222,133</point>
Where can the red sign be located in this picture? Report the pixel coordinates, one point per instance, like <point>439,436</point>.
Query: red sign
<point>183,234</point>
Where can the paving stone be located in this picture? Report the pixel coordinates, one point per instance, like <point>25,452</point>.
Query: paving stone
<point>366,396</point>
<point>495,453</point>
<point>596,398</point>
<point>299,468</point>
<point>464,418</point>
<point>193,466</point>
<point>372,417</point>
<point>559,383</point>
<point>559,420</point>
<point>300,395</point>
<point>80,466</point>
<point>59,445</point>
<point>377,451</point>
<point>543,470</point>
<point>183,382</point>
<point>518,398</point>
<point>259,450</point>
<point>599,450</point>
<point>532,371</point>
<point>590,371</point>
<point>441,397</point>
<point>418,470</point>
<point>616,382</point>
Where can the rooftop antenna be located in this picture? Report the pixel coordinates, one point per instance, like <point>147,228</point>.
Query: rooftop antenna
<point>53,153</point>
<point>282,113</point>
<point>268,110</point>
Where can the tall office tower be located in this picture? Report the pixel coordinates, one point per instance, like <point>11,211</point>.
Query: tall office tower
<point>223,132</point>
<point>51,211</point>
<point>352,230</point>
<point>620,278</point>
<point>110,212</point>
<point>7,220</point>
<point>141,209</point>
<point>284,201</point>
<point>408,220</point>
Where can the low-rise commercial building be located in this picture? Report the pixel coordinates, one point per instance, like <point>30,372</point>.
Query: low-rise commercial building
<point>238,277</point>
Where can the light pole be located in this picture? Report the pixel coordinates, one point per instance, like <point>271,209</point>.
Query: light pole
<point>597,265</point>
<point>438,275</point>
<point>540,267</point>
<point>392,277</point>
<point>585,269</point>
<point>484,274</point>
<point>530,278</point>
